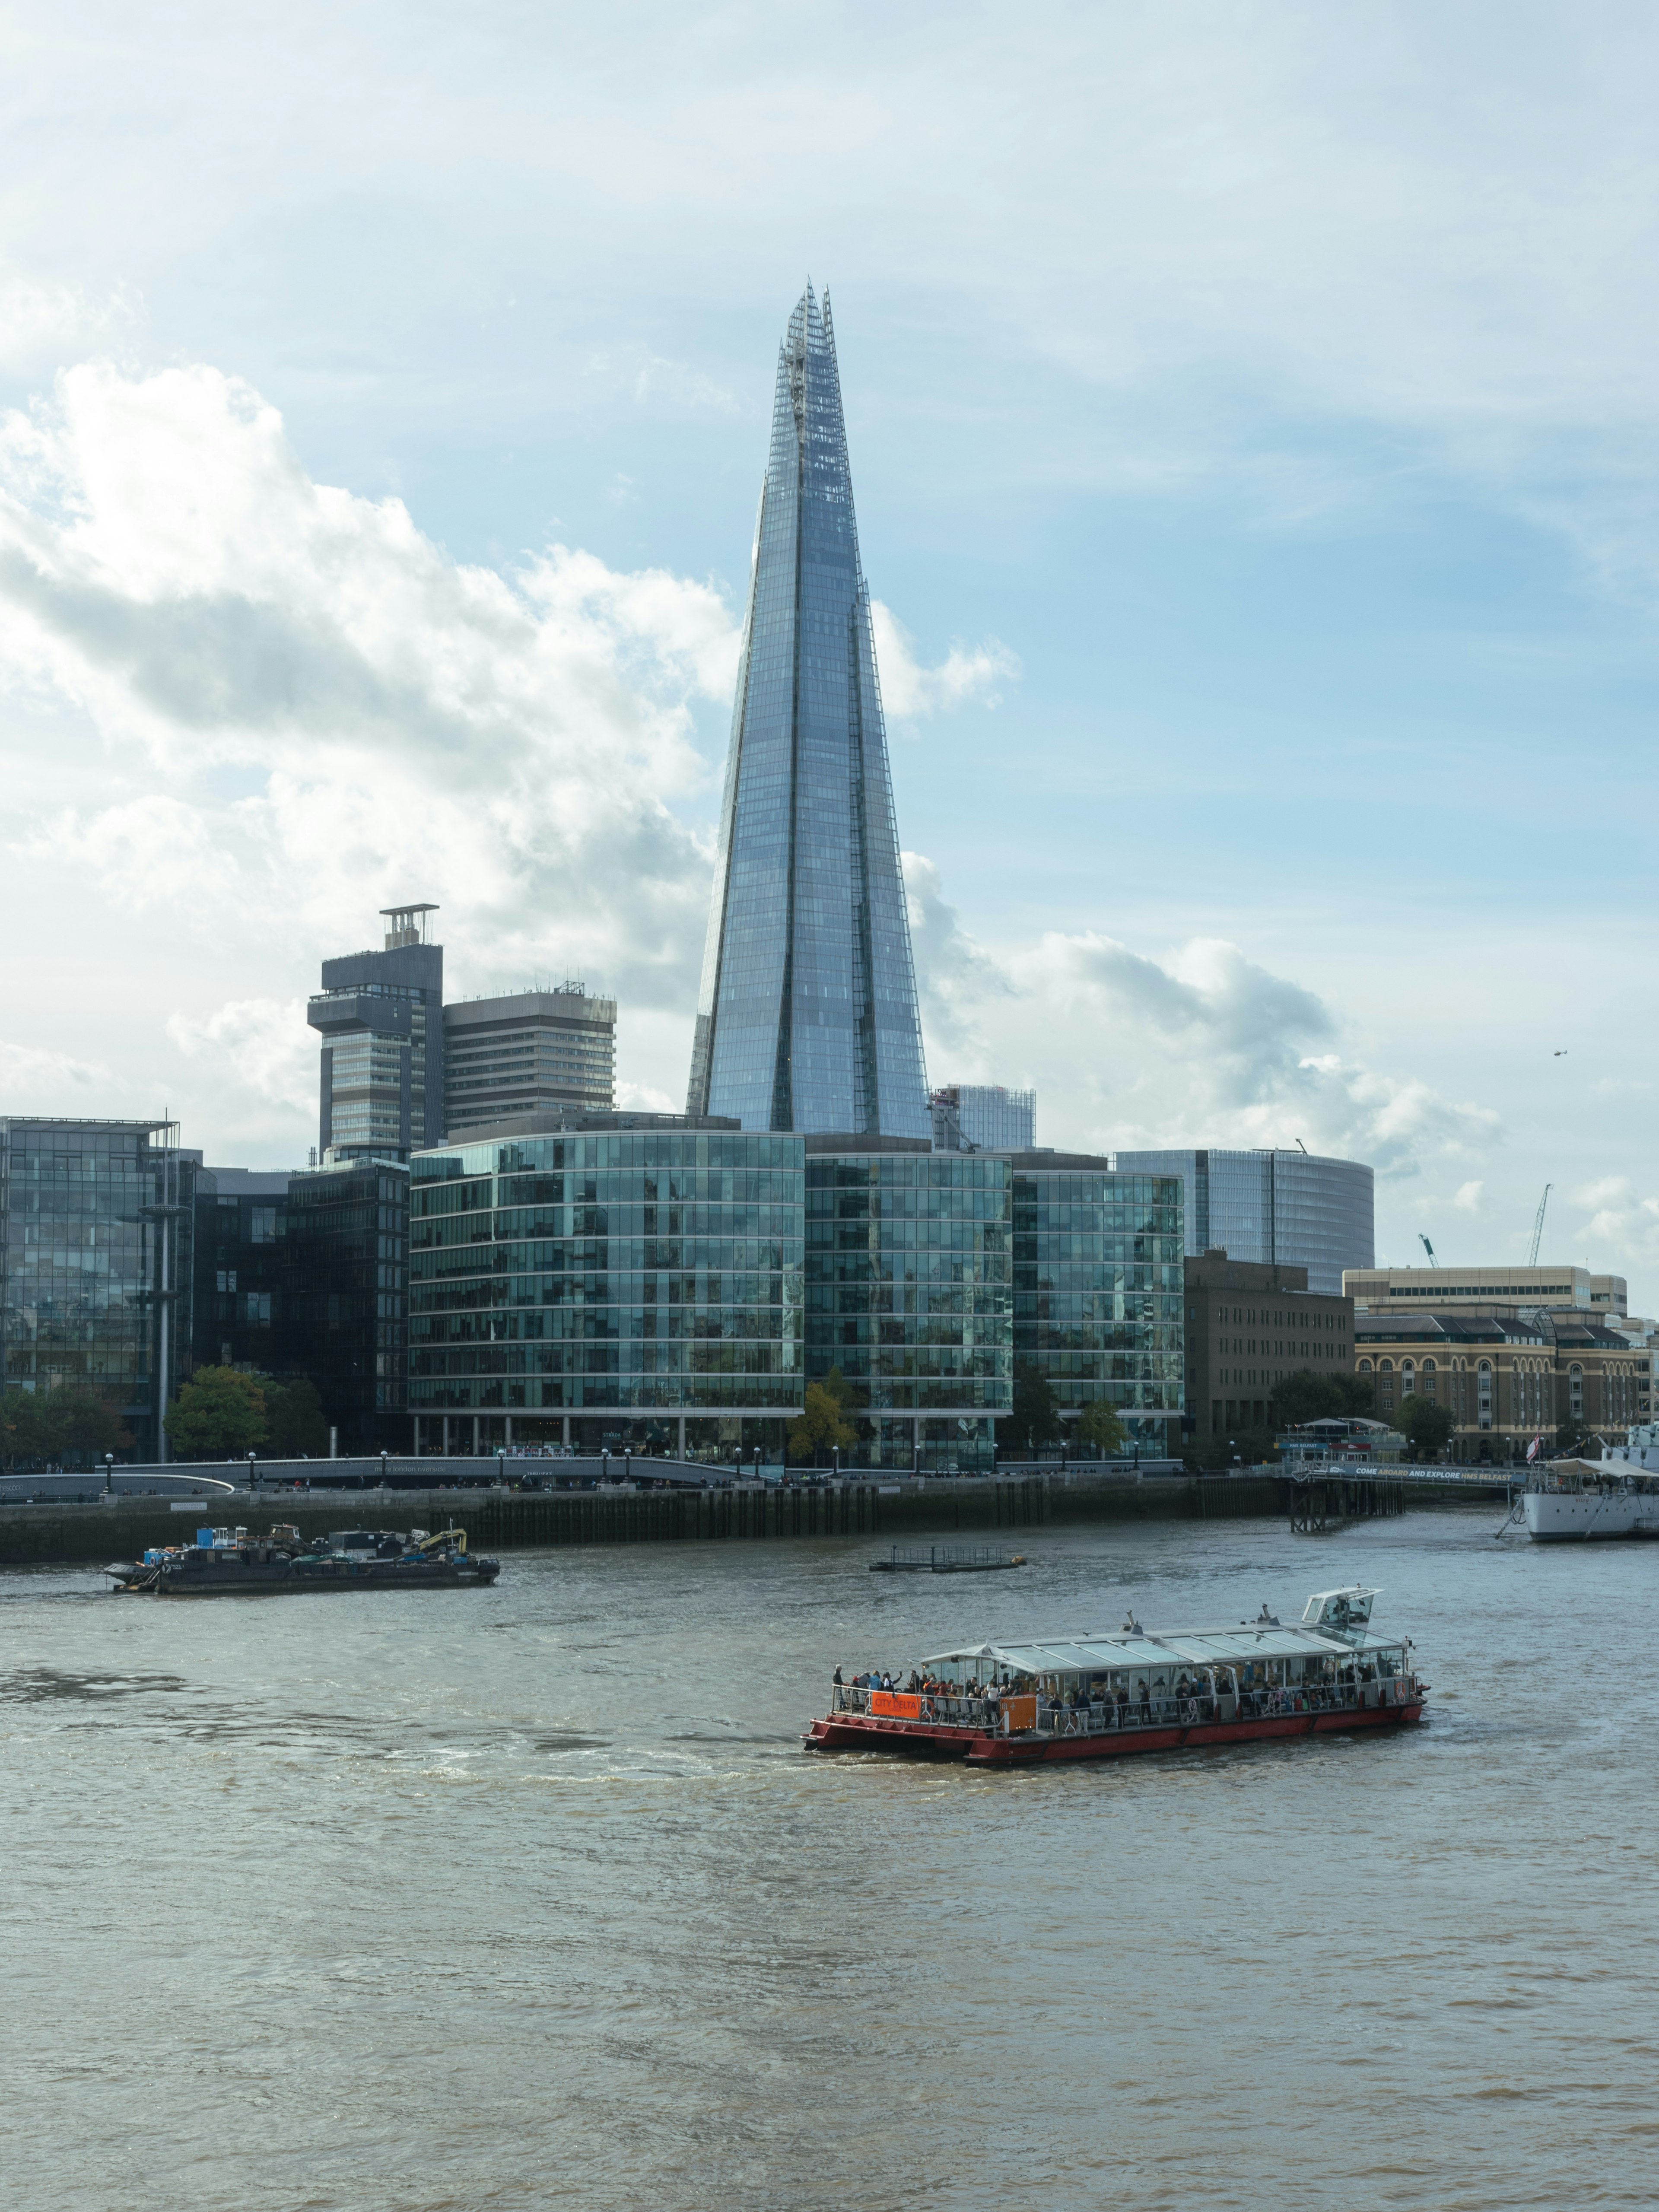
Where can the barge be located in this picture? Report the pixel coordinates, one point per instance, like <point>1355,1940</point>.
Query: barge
<point>1092,1695</point>
<point>230,1563</point>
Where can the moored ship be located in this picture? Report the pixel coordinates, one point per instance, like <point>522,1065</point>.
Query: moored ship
<point>1580,1501</point>
<point>231,1563</point>
<point>1093,1696</point>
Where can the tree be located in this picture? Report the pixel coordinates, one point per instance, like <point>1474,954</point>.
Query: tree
<point>1358,1395</point>
<point>219,1413</point>
<point>1035,1420</point>
<point>1426,1426</point>
<point>1098,1424</point>
<point>1573,1434</point>
<point>74,1420</point>
<point>821,1426</point>
<point>296,1425</point>
<point>1305,1396</point>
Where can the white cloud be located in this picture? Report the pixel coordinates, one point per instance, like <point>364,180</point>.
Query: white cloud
<point>36,1081</point>
<point>911,692</point>
<point>1468,1197</point>
<point>1617,1229</point>
<point>399,724</point>
<point>255,1044</point>
<point>1200,1046</point>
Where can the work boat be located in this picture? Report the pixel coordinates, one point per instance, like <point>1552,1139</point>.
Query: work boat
<point>1574,1500</point>
<point>230,1563</point>
<point>1097,1696</point>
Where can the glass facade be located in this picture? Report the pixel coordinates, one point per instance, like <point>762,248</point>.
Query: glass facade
<point>806,1018</point>
<point>83,1206</point>
<point>978,1117</point>
<point>908,1294</point>
<point>241,1249</point>
<point>1274,1208</point>
<point>1098,1287</point>
<point>344,1298</point>
<point>621,1280</point>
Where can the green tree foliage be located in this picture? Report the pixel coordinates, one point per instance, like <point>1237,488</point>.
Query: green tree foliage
<point>1098,1427</point>
<point>1305,1396</point>
<point>296,1425</point>
<point>71,1422</point>
<point>821,1426</point>
<point>1426,1425</point>
<point>219,1413</point>
<point>1035,1420</point>
<point>1572,1435</point>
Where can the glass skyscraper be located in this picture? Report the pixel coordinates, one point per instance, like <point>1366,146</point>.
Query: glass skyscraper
<point>807,1019</point>
<point>636,1280</point>
<point>1295,1209</point>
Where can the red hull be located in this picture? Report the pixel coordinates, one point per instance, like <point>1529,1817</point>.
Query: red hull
<point>855,1732</point>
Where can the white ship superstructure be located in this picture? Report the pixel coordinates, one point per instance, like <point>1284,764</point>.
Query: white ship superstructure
<point>1577,1501</point>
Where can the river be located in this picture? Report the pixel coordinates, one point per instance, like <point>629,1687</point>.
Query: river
<point>486,1899</point>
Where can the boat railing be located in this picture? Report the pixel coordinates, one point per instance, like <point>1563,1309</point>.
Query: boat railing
<point>1017,1715</point>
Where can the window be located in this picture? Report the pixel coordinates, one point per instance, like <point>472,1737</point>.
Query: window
<point>1576,1391</point>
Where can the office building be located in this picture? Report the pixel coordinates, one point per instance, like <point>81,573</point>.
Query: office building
<point>631,1281</point>
<point>344,1298</point>
<point>1098,1290</point>
<point>380,1015</point>
<point>96,1263</point>
<point>908,1293</point>
<point>1507,1374</point>
<point>806,1014</point>
<point>1272,1208</point>
<point>977,1117</point>
<point>241,1243</point>
<point>1550,1287</point>
<point>523,1053</point>
<point>1249,1327</point>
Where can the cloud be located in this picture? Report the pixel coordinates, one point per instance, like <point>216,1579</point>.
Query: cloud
<point>259,1044</point>
<point>390,722</point>
<point>1200,1046</point>
<point>1468,1197</point>
<point>911,692</point>
<point>32,1081</point>
<point>1615,1226</point>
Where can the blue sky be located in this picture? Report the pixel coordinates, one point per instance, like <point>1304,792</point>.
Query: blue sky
<point>1254,430</point>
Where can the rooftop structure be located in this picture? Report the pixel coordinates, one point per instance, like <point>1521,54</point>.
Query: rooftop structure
<point>1550,1287</point>
<point>807,1017</point>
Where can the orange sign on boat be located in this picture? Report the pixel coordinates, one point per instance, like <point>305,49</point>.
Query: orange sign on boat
<point>895,1706</point>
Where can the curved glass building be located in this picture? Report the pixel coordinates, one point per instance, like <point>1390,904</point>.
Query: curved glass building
<point>1277,1208</point>
<point>807,1019</point>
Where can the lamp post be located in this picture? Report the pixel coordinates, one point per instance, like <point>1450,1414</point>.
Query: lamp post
<point>383,1461</point>
<point>253,1476</point>
<point>835,1461</point>
<point>500,1465</point>
<point>109,1474</point>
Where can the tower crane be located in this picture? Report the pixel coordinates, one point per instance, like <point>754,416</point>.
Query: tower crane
<point>1428,1248</point>
<point>1538,1226</point>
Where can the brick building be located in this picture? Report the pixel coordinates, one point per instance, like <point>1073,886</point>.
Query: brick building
<point>1249,1327</point>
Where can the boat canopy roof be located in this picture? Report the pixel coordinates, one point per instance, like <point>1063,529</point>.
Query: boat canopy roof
<point>1225,1646</point>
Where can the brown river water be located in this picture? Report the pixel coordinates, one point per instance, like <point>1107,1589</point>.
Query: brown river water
<point>529,1896</point>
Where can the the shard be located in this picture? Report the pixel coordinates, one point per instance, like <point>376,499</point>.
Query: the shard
<point>807,1018</point>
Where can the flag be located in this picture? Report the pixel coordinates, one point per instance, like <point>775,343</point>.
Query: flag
<point>1533,1449</point>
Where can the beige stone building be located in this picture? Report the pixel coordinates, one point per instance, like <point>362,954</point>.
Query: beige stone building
<point>1505,1376</point>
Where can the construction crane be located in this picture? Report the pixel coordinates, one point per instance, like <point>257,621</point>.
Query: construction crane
<point>1428,1248</point>
<point>1538,1226</point>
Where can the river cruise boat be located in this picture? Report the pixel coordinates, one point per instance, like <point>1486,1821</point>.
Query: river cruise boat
<point>230,1563</point>
<point>1569,1501</point>
<point>1093,1696</point>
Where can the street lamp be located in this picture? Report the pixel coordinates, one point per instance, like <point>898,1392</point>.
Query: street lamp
<point>109,1474</point>
<point>834,1460</point>
<point>252,1477</point>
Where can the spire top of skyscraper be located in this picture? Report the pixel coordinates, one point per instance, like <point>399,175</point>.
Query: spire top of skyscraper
<point>807,1016</point>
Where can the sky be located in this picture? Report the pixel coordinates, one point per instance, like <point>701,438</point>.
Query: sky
<point>1255,437</point>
